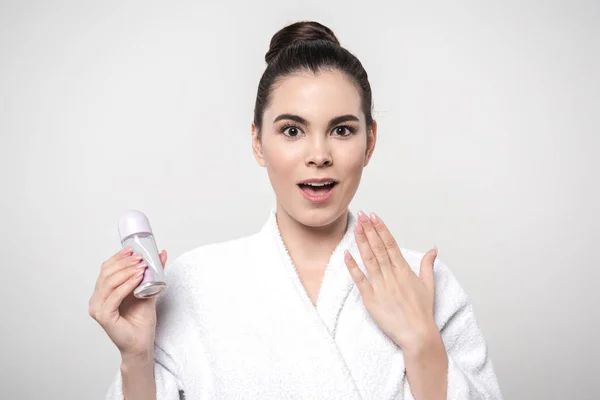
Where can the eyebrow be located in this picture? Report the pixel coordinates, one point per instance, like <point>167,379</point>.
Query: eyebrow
<point>332,123</point>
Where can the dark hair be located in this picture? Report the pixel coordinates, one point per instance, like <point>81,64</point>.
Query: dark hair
<point>310,46</point>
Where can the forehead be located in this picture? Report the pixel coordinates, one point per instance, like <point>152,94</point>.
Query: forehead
<point>316,97</point>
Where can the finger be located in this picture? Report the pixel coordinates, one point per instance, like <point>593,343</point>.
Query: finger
<point>376,245</point>
<point>426,271</point>
<point>117,256</point>
<point>367,255</point>
<point>127,251</point>
<point>163,258</point>
<point>118,295</point>
<point>363,284</point>
<point>108,270</point>
<point>118,278</point>
<point>397,260</point>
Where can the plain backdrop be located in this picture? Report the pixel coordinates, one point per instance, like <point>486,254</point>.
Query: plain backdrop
<point>488,144</point>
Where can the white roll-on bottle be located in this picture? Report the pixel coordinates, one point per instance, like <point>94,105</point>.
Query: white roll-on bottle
<point>135,232</point>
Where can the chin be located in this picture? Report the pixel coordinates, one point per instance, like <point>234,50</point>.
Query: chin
<point>319,216</point>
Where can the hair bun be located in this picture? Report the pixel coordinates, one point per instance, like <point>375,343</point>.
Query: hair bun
<point>298,32</point>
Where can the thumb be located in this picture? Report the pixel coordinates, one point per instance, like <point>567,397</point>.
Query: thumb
<point>426,271</point>
<point>163,258</point>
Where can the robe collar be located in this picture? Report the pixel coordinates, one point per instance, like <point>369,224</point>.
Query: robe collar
<point>337,284</point>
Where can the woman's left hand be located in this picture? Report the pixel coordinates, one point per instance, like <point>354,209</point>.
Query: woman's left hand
<point>400,302</point>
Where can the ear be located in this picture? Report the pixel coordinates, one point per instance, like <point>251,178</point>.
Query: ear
<point>371,140</point>
<point>257,147</point>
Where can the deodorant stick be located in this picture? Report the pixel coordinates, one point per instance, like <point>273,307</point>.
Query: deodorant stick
<point>135,232</point>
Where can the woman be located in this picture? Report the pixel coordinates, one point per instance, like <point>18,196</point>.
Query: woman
<point>320,303</point>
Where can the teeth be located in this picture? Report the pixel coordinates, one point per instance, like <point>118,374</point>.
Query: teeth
<point>319,184</point>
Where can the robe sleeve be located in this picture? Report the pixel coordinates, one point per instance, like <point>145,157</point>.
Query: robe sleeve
<point>470,371</point>
<point>170,322</point>
<point>168,385</point>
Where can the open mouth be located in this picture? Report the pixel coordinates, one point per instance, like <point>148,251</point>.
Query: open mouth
<point>317,189</point>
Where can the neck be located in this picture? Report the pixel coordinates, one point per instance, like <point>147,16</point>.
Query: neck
<point>310,247</point>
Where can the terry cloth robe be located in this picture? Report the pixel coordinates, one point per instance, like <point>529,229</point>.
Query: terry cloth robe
<point>236,323</point>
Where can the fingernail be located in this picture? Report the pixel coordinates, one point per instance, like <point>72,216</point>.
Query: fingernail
<point>137,256</point>
<point>374,218</point>
<point>358,227</point>
<point>142,265</point>
<point>347,256</point>
<point>362,217</point>
<point>126,251</point>
<point>139,274</point>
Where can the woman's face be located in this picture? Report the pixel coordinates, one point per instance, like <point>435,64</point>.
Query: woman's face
<point>314,130</point>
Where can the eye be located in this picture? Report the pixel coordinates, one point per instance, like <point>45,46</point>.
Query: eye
<point>292,130</point>
<point>344,130</point>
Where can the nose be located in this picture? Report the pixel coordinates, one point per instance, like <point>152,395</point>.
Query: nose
<point>319,153</point>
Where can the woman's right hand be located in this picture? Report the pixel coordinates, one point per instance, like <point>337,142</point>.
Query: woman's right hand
<point>129,322</point>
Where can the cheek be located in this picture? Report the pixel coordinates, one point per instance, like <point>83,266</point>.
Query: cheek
<point>278,161</point>
<point>352,160</point>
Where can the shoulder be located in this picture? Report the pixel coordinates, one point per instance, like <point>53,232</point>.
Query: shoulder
<point>442,272</point>
<point>199,271</point>
<point>197,259</point>
<point>218,251</point>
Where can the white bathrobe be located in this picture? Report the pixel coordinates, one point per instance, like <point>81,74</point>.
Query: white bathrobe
<point>236,323</point>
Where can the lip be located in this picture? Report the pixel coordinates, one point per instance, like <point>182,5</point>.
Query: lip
<point>318,180</point>
<point>321,198</point>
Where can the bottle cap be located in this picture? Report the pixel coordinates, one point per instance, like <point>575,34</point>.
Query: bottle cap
<point>133,221</point>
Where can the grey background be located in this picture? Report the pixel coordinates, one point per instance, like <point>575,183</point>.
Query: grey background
<point>488,142</point>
